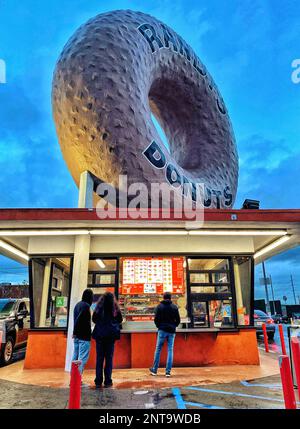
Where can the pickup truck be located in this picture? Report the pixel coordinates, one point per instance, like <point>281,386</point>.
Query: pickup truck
<point>14,325</point>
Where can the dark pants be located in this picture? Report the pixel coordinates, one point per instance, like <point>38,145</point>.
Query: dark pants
<point>105,350</point>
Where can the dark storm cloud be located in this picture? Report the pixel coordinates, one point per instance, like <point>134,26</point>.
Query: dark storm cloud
<point>32,169</point>
<point>18,114</point>
<point>291,256</point>
<point>269,172</point>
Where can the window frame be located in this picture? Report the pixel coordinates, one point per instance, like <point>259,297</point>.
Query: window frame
<point>114,285</point>
<point>134,254</point>
<point>213,296</point>
<point>31,300</point>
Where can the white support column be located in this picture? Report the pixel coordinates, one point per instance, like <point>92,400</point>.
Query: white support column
<point>79,283</point>
<point>45,293</point>
<point>239,295</point>
<point>86,187</point>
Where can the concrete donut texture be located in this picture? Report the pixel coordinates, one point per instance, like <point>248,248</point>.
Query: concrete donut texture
<point>115,71</point>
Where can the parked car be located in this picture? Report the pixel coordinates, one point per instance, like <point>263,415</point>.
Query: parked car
<point>277,318</point>
<point>286,319</point>
<point>14,325</point>
<point>259,318</point>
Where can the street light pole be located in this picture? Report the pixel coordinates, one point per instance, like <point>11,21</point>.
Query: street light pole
<point>293,289</point>
<point>271,283</point>
<point>266,288</point>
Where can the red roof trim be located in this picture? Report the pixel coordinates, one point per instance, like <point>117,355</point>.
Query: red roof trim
<point>210,215</point>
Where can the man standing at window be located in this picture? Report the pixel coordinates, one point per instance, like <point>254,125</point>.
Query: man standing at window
<point>82,332</point>
<point>167,319</point>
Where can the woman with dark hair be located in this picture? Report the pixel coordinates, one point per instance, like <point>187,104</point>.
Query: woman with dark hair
<point>107,318</point>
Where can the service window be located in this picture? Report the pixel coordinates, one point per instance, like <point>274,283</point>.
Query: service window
<point>220,313</point>
<point>210,288</point>
<point>200,314</point>
<point>102,277</point>
<point>243,286</point>
<point>51,283</point>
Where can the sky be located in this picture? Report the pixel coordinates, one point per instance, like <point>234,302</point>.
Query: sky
<point>248,47</point>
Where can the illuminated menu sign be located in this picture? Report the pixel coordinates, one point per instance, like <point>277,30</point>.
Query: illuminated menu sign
<point>152,275</point>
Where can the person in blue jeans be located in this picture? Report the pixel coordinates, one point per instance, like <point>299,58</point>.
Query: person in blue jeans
<point>166,319</point>
<point>82,332</point>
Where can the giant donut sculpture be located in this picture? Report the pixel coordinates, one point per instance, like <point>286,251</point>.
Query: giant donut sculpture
<point>115,71</point>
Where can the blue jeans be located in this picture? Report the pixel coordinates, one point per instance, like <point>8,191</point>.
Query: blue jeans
<point>81,352</point>
<point>161,337</point>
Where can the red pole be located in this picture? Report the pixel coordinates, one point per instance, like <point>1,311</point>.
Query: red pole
<point>75,386</point>
<point>287,382</point>
<point>265,337</point>
<point>283,349</point>
<point>296,360</point>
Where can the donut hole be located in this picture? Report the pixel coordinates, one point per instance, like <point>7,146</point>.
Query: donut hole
<point>161,132</point>
<point>178,107</point>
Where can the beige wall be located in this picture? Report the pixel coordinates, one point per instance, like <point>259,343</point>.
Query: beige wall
<point>169,244</point>
<point>51,245</point>
<point>144,244</point>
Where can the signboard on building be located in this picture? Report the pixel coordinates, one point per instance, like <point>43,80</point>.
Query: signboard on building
<point>147,275</point>
<point>61,301</point>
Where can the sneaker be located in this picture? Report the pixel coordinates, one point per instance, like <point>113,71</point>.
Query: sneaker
<point>98,386</point>
<point>168,374</point>
<point>152,372</point>
<point>108,385</point>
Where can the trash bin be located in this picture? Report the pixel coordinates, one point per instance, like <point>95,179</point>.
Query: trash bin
<point>293,331</point>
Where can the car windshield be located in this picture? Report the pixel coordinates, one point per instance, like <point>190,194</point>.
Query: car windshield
<point>260,313</point>
<point>6,307</point>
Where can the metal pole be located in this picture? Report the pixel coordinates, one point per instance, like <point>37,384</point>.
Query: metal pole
<point>75,386</point>
<point>281,335</point>
<point>271,283</point>
<point>287,382</point>
<point>293,289</point>
<point>266,288</point>
<point>265,337</point>
<point>295,345</point>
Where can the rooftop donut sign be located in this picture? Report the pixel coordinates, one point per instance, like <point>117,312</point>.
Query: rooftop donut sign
<point>115,72</point>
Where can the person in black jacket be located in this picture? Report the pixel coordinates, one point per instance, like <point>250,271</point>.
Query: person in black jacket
<point>107,318</point>
<point>166,319</point>
<point>82,331</point>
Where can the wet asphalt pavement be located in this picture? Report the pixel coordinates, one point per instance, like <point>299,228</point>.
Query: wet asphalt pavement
<point>260,394</point>
<point>252,394</point>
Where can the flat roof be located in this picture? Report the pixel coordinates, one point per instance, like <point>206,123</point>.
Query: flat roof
<point>266,227</point>
<point>210,215</point>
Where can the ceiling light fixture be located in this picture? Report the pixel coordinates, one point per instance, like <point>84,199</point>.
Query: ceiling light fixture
<point>271,246</point>
<point>41,232</point>
<point>101,263</point>
<point>13,250</point>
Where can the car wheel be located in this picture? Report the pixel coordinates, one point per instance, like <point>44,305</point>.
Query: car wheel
<point>271,335</point>
<point>7,351</point>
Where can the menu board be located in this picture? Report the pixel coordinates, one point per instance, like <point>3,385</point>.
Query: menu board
<point>152,275</point>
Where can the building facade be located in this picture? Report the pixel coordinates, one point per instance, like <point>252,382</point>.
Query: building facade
<point>210,272</point>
